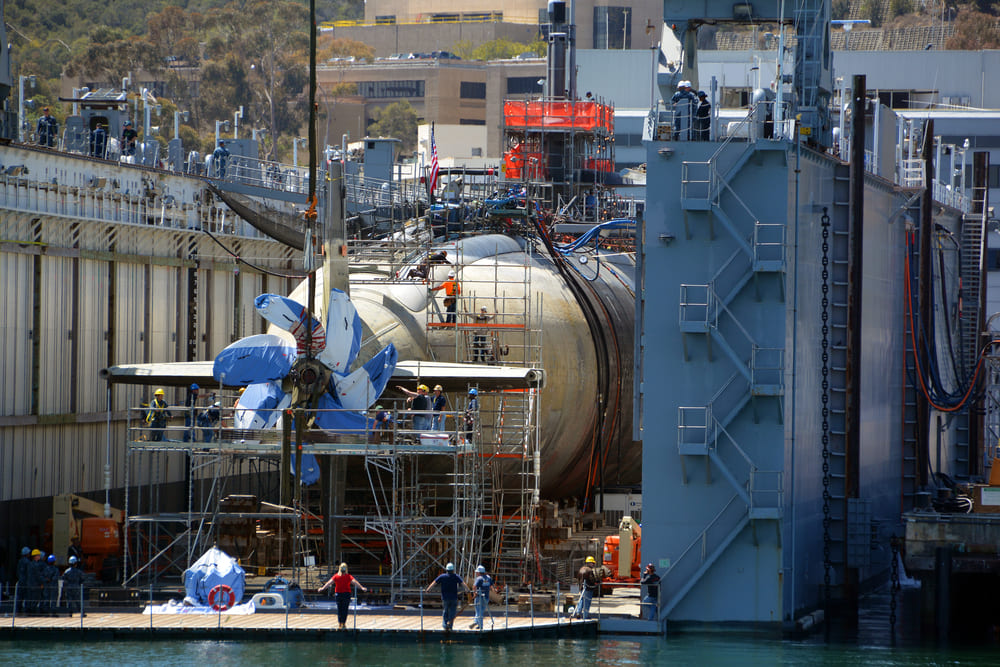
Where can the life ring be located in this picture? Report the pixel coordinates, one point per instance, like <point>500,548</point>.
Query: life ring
<point>221,597</point>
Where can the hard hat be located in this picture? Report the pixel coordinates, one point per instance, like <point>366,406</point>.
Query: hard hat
<point>378,407</point>
<point>35,552</point>
<point>482,309</point>
<point>242,389</point>
<point>481,570</point>
<point>438,387</point>
<point>216,404</point>
<point>450,567</point>
<point>701,93</point>
<point>127,123</point>
<point>51,558</point>
<point>473,392</point>
<point>422,387</point>
<point>73,560</point>
<point>649,566</point>
<point>680,84</point>
<point>158,392</point>
<point>451,274</point>
<point>194,387</point>
<point>25,551</point>
<point>590,559</point>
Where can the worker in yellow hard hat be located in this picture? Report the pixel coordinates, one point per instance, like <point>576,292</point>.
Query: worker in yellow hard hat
<point>420,404</point>
<point>157,416</point>
<point>589,581</point>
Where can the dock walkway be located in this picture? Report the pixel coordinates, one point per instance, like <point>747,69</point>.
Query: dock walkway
<point>404,626</point>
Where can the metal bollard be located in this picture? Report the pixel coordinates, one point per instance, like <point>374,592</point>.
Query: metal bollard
<point>558,609</point>
<point>13,615</point>
<point>506,607</point>
<point>531,604</point>
<point>355,610</point>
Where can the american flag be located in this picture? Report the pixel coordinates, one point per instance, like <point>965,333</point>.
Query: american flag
<point>432,181</point>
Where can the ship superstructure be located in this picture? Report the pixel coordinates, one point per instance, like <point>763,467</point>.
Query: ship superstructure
<point>782,424</point>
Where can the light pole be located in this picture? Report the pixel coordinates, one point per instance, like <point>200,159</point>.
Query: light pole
<point>295,149</point>
<point>218,124</point>
<point>20,104</point>
<point>178,115</point>
<point>237,117</point>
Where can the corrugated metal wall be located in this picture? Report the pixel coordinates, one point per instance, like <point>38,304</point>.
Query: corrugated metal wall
<point>101,286</point>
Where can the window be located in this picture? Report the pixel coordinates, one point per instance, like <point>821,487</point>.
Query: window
<point>445,18</point>
<point>471,121</point>
<point>390,89</point>
<point>472,90</point>
<point>523,85</point>
<point>389,19</point>
<point>612,28</point>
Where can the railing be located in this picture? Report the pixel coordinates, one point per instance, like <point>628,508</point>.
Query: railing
<point>769,247</point>
<point>697,311</point>
<point>263,174</point>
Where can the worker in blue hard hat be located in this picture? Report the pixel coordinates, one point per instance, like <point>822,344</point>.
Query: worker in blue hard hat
<point>191,413</point>
<point>73,585</point>
<point>471,413</point>
<point>50,583</point>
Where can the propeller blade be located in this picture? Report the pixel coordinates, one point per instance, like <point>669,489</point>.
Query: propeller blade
<point>291,316</point>
<point>361,389</point>
<point>260,406</point>
<point>343,331</point>
<point>310,467</point>
<point>259,358</point>
<point>332,418</point>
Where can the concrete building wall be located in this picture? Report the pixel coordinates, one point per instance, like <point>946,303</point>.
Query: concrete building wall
<point>639,14</point>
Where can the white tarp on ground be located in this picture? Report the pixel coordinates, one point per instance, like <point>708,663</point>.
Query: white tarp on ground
<point>214,568</point>
<point>175,607</point>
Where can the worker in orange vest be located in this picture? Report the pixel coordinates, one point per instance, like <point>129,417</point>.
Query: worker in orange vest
<point>452,290</point>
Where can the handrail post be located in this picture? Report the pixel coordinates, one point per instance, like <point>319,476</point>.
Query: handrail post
<point>13,614</point>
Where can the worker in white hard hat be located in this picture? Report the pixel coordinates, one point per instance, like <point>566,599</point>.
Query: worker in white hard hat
<point>685,104</point>
<point>481,587</point>
<point>72,579</point>
<point>449,583</point>
<point>589,581</point>
<point>452,290</point>
<point>157,415</point>
<point>438,404</point>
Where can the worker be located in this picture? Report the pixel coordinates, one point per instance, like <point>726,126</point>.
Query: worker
<point>479,349</point>
<point>420,404</point>
<point>191,412</point>
<point>220,157</point>
<point>157,416</point>
<point>342,583</point>
<point>23,565</point>
<point>481,587</point>
<point>452,291</point>
<point>48,129</point>
<point>33,596</point>
<point>651,580</point>
<point>449,583</point>
<point>438,403</point>
<point>74,548</point>
<point>73,585</point>
<point>685,104</point>
<point>589,582</point>
<point>209,419</point>
<point>50,583</point>
<point>471,413</point>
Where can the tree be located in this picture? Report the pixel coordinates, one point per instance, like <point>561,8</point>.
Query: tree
<point>328,48</point>
<point>497,49</point>
<point>974,31</point>
<point>397,120</point>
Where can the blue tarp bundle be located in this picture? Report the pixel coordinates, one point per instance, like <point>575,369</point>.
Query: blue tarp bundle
<point>215,567</point>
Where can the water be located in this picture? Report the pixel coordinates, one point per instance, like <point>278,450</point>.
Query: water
<point>713,650</point>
